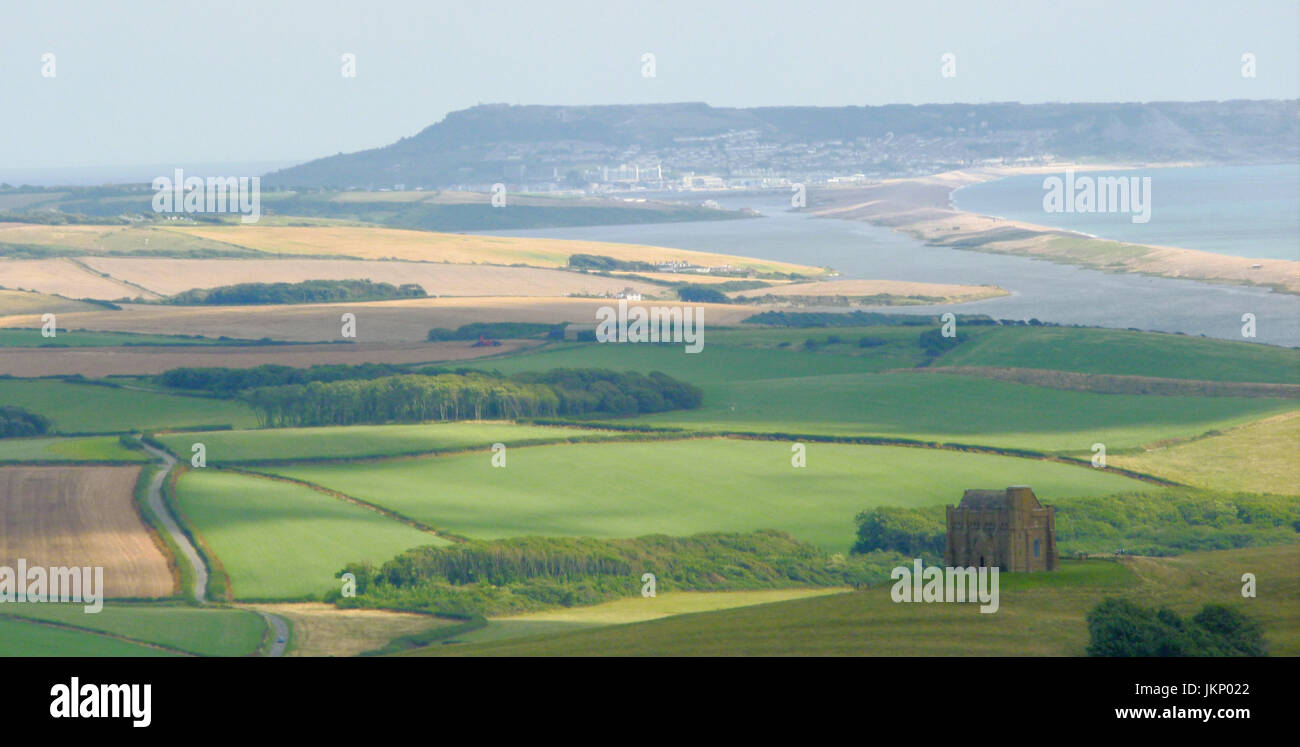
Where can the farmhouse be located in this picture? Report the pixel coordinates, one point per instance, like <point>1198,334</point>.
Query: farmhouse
<point>1008,529</point>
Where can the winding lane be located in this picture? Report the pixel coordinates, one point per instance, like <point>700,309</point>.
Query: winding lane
<point>278,626</point>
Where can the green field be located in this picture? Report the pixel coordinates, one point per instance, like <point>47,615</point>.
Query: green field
<point>962,409</point>
<point>750,384</point>
<point>685,487</point>
<point>208,632</point>
<point>85,408</point>
<point>278,540</point>
<point>1110,351</point>
<point>629,610</point>
<point>19,638</point>
<point>1038,615</point>
<point>365,440</point>
<point>90,448</point>
<point>31,338</point>
<point>746,358</point>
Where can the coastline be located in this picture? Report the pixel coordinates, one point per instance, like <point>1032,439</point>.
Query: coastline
<point>922,207</point>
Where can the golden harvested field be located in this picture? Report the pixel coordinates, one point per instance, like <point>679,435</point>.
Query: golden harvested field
<point>97,239</point>
<point>66,277</point>
<point>424,246</point>
<point>862,288</point>
<point>77,236</point>
<point>669,603</point>
<point>81,516</point>
<point>26,303</point>
<point>170,276</point>
<point>402,321</point>
<point>689,277</point>
<point>324,630</point>
<point>1258,457</point>
<point>143,361</point>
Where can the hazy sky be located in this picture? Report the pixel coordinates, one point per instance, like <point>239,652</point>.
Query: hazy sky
<point>233,81</point>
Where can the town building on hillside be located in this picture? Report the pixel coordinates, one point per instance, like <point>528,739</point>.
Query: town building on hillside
<point>1008,529</point>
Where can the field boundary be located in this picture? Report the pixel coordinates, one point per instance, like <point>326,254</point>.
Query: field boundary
<point>100,633</point>
<point>338,495</point>
<point>678,434</point>
<point>1116,383</point>
<point>156,531</point>
<point>217,576</point>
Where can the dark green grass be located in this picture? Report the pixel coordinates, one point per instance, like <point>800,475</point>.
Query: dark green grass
<point>748,356</point>
<point>962,409</point>
<point>1109,351</point>
<point>86,408</point>
<point>86,449</point>
<point>277,540</point>
<point>21,638</point>
<point>364,440</point>
<point>1038,615</point>
<point>205,631</point>
<point>684,487</point>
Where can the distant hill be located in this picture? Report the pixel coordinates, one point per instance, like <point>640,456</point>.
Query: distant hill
<point>570,145</point>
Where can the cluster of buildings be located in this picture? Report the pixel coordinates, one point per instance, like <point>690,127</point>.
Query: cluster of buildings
<point>745,159</point>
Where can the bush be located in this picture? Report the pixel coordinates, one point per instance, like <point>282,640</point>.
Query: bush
<point>498,331</point>
<point>307,291</point>
<point>693,293</point>
<point>15,422</point>
<point>909,531</point>
<point>529,573</point>
<point>1159,522</point>
<point>1118,627</point>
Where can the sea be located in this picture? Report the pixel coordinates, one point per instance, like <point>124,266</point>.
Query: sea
<point>1040,289</point>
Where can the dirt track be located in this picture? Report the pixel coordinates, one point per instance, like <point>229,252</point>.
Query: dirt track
<point>81,516</point>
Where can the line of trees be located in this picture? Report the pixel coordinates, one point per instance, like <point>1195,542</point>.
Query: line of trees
<point>307,291</point>
<point>586,391</point>
<point>468,395</point>
<point>409,398</point>
<point>497,330</point>
<point>530,573</point>
<point>230,381</point>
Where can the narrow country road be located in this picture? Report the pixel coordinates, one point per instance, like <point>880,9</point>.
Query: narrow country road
<point>279,628</point>
<point>170,524</point>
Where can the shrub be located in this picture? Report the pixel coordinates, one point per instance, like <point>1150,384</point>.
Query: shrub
<point>1118,627</point>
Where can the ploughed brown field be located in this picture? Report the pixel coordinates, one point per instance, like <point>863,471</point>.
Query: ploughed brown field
<point>81,516</point>
<point>143,361</point>
<point>377,321</point>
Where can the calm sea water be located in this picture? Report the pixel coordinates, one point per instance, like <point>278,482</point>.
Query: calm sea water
<point>1040,289</point>
<point>1244,211</point>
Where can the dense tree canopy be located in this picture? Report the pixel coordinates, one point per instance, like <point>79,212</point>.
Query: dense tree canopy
<point>17,422</point>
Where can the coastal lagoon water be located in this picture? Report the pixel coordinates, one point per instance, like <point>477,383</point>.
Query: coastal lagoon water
<point>1040,289</point>
<point>1244,211</point>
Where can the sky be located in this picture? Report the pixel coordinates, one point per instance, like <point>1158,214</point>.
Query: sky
<point>233,82</point>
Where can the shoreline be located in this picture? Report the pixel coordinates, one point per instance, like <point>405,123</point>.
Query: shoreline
<point>922,207</point>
